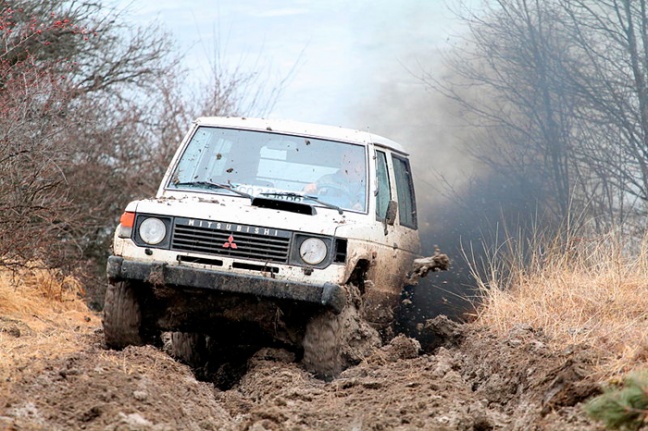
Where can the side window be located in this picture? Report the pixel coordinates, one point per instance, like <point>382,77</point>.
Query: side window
<point>405,191</point>
<point>384,193</point>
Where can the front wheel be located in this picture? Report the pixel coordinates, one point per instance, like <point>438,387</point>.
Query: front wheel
<point>333,342</point>
<point>122,317</point>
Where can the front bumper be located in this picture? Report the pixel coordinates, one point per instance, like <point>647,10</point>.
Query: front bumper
<point>328,294</point>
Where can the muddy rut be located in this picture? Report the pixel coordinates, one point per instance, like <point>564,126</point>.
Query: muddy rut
<point>464,379</point>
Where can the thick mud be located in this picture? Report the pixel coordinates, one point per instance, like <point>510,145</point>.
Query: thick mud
<point>334,342</point>
<point>462,378</point>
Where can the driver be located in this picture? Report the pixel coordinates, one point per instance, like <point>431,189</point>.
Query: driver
<point>346,186</point>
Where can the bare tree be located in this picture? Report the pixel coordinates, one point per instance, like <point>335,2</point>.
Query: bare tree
<point>611,39</point>
<point>93,109</point>
<point>34,101</point>
<point>562,101</point>
<point>510,85</point>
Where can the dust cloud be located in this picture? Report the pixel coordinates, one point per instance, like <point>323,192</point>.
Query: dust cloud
<point>464,207</point>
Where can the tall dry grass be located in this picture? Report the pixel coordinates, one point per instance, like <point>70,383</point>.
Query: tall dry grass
<point>42,317</point>
<point>591,292</point>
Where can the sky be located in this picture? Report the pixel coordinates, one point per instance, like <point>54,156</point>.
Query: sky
<point>328,58</point>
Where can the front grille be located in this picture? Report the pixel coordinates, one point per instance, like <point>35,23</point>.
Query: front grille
<point>232,240</point>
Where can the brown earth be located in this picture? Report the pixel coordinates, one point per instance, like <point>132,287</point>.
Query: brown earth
<point>465,379</point>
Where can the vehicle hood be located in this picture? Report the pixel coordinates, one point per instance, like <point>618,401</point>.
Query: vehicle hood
<point>240,211</point>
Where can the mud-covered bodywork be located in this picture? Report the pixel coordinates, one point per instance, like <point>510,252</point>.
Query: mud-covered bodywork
<point>279,216</point>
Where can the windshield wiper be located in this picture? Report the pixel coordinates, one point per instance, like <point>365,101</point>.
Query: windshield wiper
<point>299,195</point>
<point>213,185</point>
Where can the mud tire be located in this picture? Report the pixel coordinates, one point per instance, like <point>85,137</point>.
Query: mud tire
<point>334,342</point>
<point>122,317</point>
<point>189,348</point>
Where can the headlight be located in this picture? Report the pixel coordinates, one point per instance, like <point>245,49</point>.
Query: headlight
<point>313,251</point>
<point>152,231</point>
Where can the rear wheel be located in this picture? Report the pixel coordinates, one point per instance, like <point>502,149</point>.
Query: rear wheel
<point>122,317</point>
<point>333,342</point>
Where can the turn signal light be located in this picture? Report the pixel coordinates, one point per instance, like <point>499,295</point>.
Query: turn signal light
<point>126,223</point>
<point>127,219</point>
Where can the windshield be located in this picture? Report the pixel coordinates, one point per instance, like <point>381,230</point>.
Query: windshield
<point>274,166</point>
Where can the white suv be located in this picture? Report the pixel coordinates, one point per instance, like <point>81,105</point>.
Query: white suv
<point>263,233</point>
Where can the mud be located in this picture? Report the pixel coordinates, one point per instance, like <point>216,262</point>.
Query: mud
<point>422,266</point>
<point>469,380</point>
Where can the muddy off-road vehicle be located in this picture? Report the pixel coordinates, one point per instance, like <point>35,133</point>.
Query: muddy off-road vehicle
<point>267,233</point>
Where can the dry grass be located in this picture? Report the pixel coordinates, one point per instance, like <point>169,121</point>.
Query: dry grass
<point>42,317</point>
<point>592,293</point>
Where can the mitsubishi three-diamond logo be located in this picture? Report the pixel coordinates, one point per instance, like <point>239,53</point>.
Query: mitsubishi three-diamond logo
<point>230,243</point>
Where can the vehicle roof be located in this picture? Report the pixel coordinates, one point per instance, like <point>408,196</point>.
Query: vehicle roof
<point>302,129</point>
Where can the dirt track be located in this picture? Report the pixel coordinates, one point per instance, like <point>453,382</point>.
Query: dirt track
<point>468,380</point>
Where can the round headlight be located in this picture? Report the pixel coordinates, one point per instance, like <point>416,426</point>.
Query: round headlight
<point>152,231</point>
<point>313,251</point>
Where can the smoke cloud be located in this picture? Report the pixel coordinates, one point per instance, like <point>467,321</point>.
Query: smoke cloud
<point>463,206</point>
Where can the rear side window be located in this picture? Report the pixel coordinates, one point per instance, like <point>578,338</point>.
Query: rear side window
<point>405,191</point>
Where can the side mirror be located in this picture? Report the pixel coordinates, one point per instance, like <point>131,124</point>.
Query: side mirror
<point>390,214</point>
